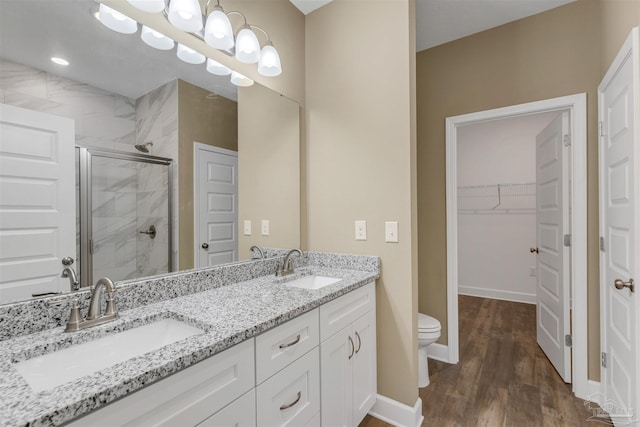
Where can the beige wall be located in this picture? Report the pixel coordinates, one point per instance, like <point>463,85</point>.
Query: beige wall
<point>268,168</point>
<point>359,166</point>
<point>560,52</point>
<point>210,119</point>
<point>280,18</point>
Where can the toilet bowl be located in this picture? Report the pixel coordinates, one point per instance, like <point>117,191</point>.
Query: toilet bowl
<point>428,333</point>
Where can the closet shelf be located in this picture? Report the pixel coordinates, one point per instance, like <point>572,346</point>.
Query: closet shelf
<point>497,198</point>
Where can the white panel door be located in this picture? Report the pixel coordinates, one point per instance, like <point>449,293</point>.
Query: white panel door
<point>216,206</point>
<point>37,202</point>
<point>618,99</point>
<point>552,223</point>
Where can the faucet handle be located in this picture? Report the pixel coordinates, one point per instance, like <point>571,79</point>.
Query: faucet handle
<point>111,304</point>
<point>74,317</point>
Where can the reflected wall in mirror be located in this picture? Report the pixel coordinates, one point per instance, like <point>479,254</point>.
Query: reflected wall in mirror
<point>118,94</point>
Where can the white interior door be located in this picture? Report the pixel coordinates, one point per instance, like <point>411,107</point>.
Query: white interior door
<point>618,100</point>
<point>216,205</point>
<point>37,202</point>
<point>552,224</point>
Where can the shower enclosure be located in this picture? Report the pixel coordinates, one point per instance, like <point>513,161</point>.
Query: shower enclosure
<point>124,214</point>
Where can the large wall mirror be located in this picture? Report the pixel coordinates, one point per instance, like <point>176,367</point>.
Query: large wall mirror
<point>167,166</point>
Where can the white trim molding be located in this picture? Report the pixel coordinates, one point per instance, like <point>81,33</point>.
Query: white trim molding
<point>577,106</point>
<point>595,393</point>
<point>438,352</point>
<point>497,294</point>
<point>396,413</point>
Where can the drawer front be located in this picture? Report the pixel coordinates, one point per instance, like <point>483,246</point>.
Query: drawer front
<point>292,396</point>
<point>240,413</point>
<point>341,312</point>
<point>280,346</point>
<point>185,398</point>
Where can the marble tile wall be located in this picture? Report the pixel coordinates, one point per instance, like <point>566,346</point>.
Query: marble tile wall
<point>157,122</point>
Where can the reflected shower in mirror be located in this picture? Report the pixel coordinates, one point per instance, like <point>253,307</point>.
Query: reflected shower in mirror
<point>127,104</point>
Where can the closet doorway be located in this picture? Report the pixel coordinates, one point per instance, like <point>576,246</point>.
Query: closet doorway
<point>503,207</point>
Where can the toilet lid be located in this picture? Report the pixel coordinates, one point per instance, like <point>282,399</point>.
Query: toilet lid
<point>427,323</point>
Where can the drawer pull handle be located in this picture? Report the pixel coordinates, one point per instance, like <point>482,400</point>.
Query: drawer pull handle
<point>359,342</point>
<point>353,348</point>
<point>289,344</point>
<point>289,405</point>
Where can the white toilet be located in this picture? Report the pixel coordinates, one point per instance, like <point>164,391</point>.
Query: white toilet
<point>428,333</point>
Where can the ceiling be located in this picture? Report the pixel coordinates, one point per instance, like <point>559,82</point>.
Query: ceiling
<point>442,21</point>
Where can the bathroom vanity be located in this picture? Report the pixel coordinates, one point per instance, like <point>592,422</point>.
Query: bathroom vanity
<point>260,350</point>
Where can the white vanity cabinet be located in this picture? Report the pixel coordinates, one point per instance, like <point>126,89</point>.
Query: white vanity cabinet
<point>348,357</point>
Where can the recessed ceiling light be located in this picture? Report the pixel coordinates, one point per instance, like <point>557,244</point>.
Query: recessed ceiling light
<point>59,61</point>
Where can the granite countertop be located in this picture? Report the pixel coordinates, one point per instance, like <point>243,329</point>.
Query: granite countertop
<point>228,314</point>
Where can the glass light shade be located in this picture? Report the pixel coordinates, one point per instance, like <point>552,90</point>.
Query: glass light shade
<point>240,80</point>
<point>218,32</point>
<point>185,15</point>
<point>189,55</point>
<point>151,6</point>
<point>214,67</point>
<point>269,64</point>
<point>116,21</point>
<point>156,39</point>
<point>247,46</point>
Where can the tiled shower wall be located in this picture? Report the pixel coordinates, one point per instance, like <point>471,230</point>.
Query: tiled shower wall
<point>107,120</point>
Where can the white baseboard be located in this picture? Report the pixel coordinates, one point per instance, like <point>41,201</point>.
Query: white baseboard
<point>438,352</point>
<point>497,294</point>
<point>396,413</point>
<point>594,393</point>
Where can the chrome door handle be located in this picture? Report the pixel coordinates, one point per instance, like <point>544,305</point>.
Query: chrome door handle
<point>289,405</point>
<point>534,250</point>
<point>359,342</point>
<point>289,344</point>
<point>67,261</point>
<point>151,232</point>
<point>205,246</point>
<point>620,284</point>
<point>353,348</point>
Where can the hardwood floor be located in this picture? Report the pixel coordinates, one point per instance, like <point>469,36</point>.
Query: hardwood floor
<point>503,377</point>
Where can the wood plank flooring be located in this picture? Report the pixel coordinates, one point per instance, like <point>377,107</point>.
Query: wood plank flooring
<point>503,377</point>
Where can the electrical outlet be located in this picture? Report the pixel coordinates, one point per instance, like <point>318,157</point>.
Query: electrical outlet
<point>265,227</point>
<point>391,231</point>
<point>532,271</point>
<point>361,230</point>
<point>247,227</point>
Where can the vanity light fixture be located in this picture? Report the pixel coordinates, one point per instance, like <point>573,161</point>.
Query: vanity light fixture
<point>269,64</point>
<point>59,61</point>
<point>116,21</point>
<point>155,39</point>
<point>217,31</point>
<point>185,15</point>
<point>247,46</point>
<point>214,67</point>
<point>240,80</point>
<point>151,6</point>
<point>189,55</point>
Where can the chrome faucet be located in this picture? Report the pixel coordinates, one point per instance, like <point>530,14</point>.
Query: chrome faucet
<point>94,316</point>
<point>256,249</point>
<point>286,267</point>
<point>73,277</point>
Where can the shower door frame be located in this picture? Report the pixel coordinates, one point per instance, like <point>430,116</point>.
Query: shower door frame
<point>86,203</point>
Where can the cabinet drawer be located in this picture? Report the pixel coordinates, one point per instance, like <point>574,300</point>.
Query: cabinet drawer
<point>240,413</point>
<point>280,346</point>
<point>343,311</point>
<point>292,396</point>
<point>185,398</point>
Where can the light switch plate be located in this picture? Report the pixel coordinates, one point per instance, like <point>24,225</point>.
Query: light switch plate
<point>265,227</point>
<point>391,231</point>
<point>361,230</point>
<point>247,227</point>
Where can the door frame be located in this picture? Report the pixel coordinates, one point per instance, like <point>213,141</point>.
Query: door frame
<point>577,107</point>
<point>197,147</point>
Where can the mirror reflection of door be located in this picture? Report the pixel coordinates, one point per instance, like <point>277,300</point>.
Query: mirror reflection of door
<point>37,207</point>
<point>216,205</point>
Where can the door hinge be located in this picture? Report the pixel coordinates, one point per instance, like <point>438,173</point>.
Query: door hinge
<point>604,359</point>
<point>91,246</point>
<point>601,128</point>
<point>567,239</point>
<point>566,140</point>
<point>568,341</point>
<point>602,244</point>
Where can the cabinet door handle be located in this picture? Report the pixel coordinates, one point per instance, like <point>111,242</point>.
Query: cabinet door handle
<point>289,344</point>
<point>353,348</point>
<point>289,405</point>
<point>359,342</point>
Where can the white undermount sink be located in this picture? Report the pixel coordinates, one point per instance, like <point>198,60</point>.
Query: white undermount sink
<point>312,282</point>
<point>51,370</point>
